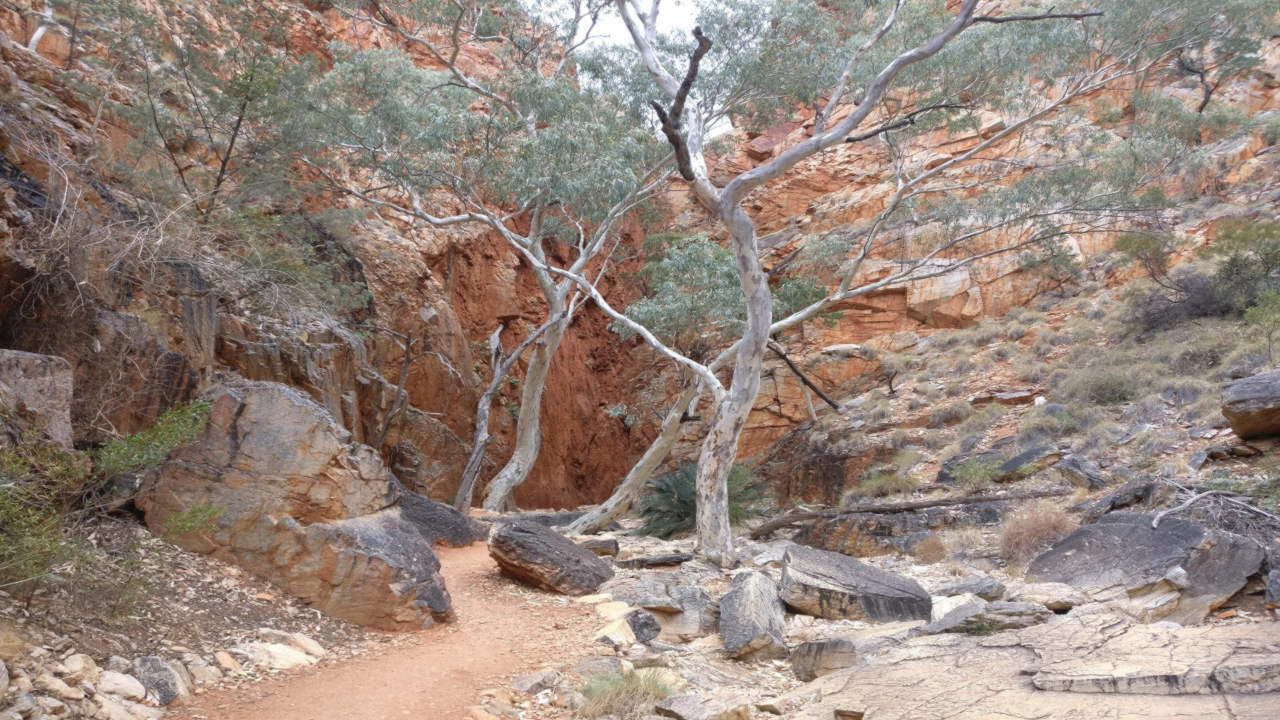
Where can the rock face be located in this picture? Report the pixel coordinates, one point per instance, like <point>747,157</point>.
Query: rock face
<point>535,554</point>
<point>751,618</point>
<point>38,387</point>
<point>834,586</point>
<point>1252,405</point>
<point>296,502</point>
<point>1179,570</point>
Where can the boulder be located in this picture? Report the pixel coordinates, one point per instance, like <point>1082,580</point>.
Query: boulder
<point>1179,570</point>
<point>121,685</point>
<point>299,503</point>
<point>643,625</point>
<point>698,707</point>
<point>697,615</point>
<point>1252,405</point>
<point>37,388</point>
<point>4,679</point>
<point>1058,597</point>
<point>273,655</point>
<point>602,546</point>
<point>534,683</point>
<point>539,556</point>
<point>987,588</point>
<point>603,665</point>
<point>984,618</point>
<point>834,586</point>
<point>1082,472</point>
<point>819,657</point>
<point>1271,592</point>
<point>160,679</point>
<point>752,617</point>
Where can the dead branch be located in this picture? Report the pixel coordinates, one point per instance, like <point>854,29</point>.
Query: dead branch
<point>671,119</point>
<point>777,350</point>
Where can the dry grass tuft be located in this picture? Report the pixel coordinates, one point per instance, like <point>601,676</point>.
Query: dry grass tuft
<point>626,695</point>
<point>1032,530</point>
<point>930,550</point>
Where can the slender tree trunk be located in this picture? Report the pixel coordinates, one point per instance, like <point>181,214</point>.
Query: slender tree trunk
<point>528,423</point>
<point>634,483</point>
<point>715,540</point>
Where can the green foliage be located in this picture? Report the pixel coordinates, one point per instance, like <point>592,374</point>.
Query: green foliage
<point>196,518</point>
<point>39,483</point>
<point>1265,318</point>
<point>178,426</point>
<point>669,505</point>
<point>977,474</point>
<point>627,695</point>
<point>693,300</point>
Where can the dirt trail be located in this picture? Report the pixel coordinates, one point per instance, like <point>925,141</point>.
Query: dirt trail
<point>502,630</point>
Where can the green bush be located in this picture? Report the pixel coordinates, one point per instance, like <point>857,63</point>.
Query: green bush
<point>977,474</point>
<point>950,414</point>
<point>670,504</point>
<point>177,427</point>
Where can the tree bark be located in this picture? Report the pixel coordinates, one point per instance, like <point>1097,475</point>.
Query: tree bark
<point>634,483</point>
<point>528,423</point>
<point>720,448</point>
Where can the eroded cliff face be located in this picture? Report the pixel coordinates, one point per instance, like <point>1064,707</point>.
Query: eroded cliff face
<point>138,349</point>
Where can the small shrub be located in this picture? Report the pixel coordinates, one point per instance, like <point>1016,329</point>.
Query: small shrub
<point>178,426</point>
<point>963,538</point>
<point>930,550</point>
<point>899,439</point>
<point>885,484</point>
<point>1040,425</point>
<point>1102,386</point>
<point>670,504</point>
<point>977,474</point>
<point>949,414</point>
<point>626,695</point>
<point>1032,530</point>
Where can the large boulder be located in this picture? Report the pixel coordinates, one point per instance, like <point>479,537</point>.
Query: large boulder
<point>1252,405</point>
<point>752,617</point>
<point>1179,570</point>
<point>820,657</point>
<point>539,556</point>
<point>288,496</point>
<point>38,389</point>
<point>831,585</point>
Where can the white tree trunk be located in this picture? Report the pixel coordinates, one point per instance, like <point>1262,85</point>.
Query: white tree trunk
<point>634,483</point>
<point>715,540</point>
<point>528,423</point>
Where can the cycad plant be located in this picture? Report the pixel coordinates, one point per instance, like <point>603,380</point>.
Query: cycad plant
<point>670,504</point>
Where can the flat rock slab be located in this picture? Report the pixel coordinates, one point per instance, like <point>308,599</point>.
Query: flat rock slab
<point>834,586</point>
<point>1230,668</point>
<point>696,707</point>
<point>1164,659</point>
<point>539,556</point>
<point>1179,570</point>
<point>752,618</point>
<point>1252,405</point>
<point>39,387</point>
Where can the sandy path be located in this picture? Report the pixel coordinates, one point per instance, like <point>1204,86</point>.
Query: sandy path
<point>502,630</point>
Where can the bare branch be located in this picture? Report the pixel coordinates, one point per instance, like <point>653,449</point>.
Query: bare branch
<point>672,119</point>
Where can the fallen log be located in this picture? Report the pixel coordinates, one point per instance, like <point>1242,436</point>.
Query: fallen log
<point>885,508</point>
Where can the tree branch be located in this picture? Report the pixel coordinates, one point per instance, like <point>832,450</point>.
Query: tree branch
<point>671,119</point>
<point>998,19</point>
<point>908,119</point>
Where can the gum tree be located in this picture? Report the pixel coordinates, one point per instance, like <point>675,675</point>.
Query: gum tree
<point>878,75</point>
<point>477,119</point>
